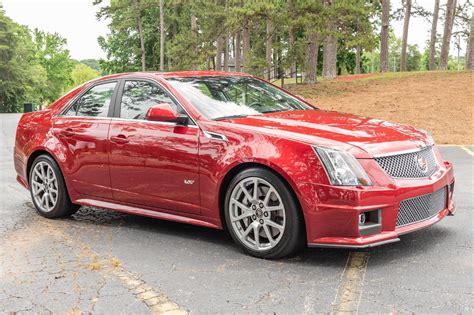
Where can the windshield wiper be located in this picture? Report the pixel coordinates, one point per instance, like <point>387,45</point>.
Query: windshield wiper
<point>230,117</point>
<point>275,111</point>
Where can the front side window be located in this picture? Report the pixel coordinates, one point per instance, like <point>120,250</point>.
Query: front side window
<point>226,97</point>
<point>139,96</point>
<point>95,102</point>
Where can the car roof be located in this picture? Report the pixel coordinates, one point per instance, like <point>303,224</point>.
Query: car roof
<point>204,73</point>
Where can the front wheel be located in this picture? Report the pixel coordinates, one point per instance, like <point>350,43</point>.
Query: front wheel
<point>262,214</point>
<point>48,190</point>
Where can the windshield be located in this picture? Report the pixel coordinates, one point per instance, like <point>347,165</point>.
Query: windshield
<point>229,97</point>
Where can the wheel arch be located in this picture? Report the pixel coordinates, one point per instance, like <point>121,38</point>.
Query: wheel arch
<point>33,156</point>
<point>247,165</point>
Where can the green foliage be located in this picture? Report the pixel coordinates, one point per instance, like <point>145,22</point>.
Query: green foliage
<point>94,64</point>
<point>122,45</point>
<point>414,58</point>
<point>185,50</point>
<point>52,55</point>
<point>21,76</point>
<point>35,66</point>
<point>82,73</point>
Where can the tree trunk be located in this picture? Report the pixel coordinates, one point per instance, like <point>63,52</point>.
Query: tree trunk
<point>140,32</point>
<point>311,64</point>
<point>406,23</point>
<point>279,70</point>
<point>454,14</point>
<point>330,48</point>
<point>246,47</point>
<point>434,26</point>
<point>219,53</point>
<point>162,36</point>
<point>226,52</point>
<point>470,47</point>
<point>268,49</point>
<point>448,29</point>
<point>384,35</point>
<point>291,39</point>
<point>194,33</point>
<point>357,66</point>
<point>237,52</point>
<point>330,57</point>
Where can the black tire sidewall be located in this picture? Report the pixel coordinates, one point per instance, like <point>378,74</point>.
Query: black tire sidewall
<point>291,240</point>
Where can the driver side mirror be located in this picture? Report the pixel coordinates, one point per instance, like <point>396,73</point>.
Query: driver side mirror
<point>164,113</point>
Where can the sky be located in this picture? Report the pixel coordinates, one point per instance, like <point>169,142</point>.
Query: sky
<point>75,20</point>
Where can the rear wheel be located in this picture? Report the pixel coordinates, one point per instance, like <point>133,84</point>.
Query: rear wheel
<point>262,214</point>
<point>48,189</point>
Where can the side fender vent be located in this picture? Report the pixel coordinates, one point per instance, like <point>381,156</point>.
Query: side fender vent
<point>215,136</point>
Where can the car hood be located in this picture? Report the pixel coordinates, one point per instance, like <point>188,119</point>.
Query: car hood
<point>363,137</point>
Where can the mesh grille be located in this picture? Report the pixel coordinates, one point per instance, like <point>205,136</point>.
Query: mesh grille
<point>421,208</point>
<point>408,165</point>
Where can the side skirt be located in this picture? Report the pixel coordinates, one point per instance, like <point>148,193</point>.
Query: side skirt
<point>147,213</point>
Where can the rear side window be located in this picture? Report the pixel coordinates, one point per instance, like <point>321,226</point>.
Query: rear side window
<point>139,96</point>
<point>95,102</point>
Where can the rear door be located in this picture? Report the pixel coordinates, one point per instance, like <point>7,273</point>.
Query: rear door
<point>83,129</point>
<point>154,164</point>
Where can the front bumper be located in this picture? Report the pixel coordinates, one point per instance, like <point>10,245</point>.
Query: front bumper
<point>334,222</point>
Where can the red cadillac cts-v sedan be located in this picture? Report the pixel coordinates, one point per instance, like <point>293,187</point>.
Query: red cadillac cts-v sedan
<point>227,150</point>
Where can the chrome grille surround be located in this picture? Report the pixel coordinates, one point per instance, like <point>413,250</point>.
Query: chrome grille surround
<point>421,208</point>
<point>407,165</point>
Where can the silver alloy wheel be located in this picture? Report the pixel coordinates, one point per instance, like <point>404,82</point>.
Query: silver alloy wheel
<point>257,213</point>
<point>44,185</point>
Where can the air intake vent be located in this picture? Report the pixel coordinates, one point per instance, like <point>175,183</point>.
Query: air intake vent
<point>421,208</point>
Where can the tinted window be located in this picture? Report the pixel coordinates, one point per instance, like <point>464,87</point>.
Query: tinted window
<point>95,103</point>
<point>139,96</point>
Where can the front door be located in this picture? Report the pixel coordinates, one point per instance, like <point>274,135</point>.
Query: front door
<point>153,164</point>
<point>83,128</point>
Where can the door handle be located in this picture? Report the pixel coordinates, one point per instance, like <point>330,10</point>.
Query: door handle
<point>120,139</point>
<point>66,132</point>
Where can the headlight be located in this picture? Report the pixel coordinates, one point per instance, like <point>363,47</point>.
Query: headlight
<point>342,168</point>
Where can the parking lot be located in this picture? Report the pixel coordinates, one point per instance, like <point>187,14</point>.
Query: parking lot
<point>99,261</point>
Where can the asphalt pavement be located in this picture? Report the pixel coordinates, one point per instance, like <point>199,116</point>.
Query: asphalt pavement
<point>104,262</point>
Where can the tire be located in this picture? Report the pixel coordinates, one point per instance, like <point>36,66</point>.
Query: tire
<point>48,190</point>
<point>275,207</point>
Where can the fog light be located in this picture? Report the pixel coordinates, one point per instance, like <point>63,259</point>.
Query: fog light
<point>370,222</point>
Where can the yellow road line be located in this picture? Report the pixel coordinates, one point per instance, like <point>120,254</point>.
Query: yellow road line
<point>154,299</point>
<point>350,290</point>
<point>448,145</point>
<point>467,150</point>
